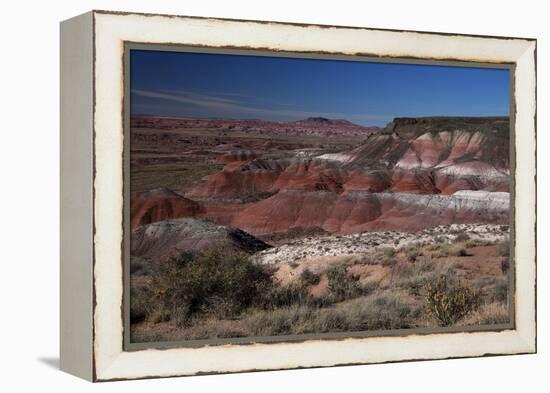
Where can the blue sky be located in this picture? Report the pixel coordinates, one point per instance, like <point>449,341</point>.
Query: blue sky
<point>273,88</point>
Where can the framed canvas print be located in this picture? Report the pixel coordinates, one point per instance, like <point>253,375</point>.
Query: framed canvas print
<point>246,195</point>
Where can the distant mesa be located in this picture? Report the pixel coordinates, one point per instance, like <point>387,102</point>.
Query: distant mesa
<point>325,120</point>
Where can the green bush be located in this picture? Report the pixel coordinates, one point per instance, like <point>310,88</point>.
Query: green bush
<point>448,302</point>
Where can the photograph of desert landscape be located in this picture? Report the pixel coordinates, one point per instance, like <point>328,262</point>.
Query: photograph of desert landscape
<point>283,196</point>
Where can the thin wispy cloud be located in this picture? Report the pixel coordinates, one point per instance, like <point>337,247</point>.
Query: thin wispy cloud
<point>239,108</point>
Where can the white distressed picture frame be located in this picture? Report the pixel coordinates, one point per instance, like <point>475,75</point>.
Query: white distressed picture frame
<point>92,143</point>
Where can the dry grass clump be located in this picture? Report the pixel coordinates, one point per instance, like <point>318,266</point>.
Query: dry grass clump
<point>425,271</point>
<point>307,277</point>
<point>388,252</point>
<point>478,243</point>
<point>379,312</point>
<point>454,250</point>
<point>423,266</point>
<point>388,262</point>
<point>489,314</point>
<point>341,284</point>
<point>411,248</point>
<point>376,312</point>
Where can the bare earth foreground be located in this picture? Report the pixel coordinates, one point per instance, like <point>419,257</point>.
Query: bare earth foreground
<point>245,228</point>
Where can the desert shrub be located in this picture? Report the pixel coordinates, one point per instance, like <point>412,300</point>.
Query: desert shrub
<point>368,260</point>
<point>505,265</point>
<point>307,277</point>
<point>459,252</point>
<point>478,243</point>
<point>461,237</point>
<point>210,282</point>
<point>448,301</point>
<point>412,255</point>
<point>140,266</point>
<point>434,247</point>
<point>369,287</point>
<point>443,251</point>
<point>342,284</point>
<point>423,273</point>
<point>423,266</point>
<point>388,252</point>
<point>136,266</point>
<point>452,250</point>
<point>390,262</point>
<point>141,306</point>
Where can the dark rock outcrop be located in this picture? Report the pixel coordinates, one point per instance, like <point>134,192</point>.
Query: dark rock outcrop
<point>167,238</point>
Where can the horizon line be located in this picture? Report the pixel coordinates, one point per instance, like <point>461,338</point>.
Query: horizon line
<point>321,117</point>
